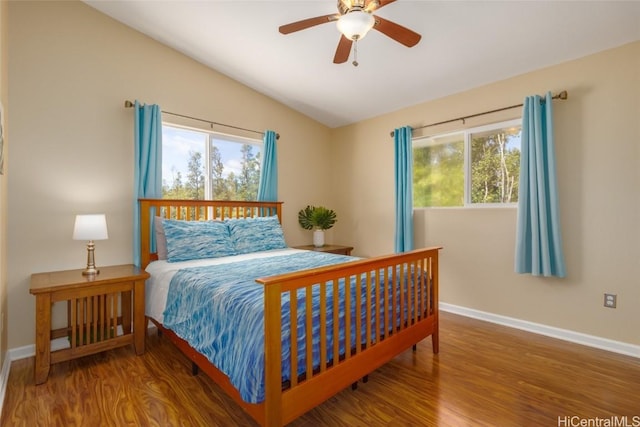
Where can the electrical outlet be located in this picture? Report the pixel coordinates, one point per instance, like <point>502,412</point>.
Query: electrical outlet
<point>610,300</point>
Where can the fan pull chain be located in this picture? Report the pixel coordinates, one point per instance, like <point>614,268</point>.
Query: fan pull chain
<point>355,53</point>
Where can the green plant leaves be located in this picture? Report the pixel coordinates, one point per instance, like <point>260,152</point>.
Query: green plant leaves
<point>317,217</point>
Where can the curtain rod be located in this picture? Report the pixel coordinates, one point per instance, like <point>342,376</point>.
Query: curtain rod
<point>129,104</point>
<point>562,95</point>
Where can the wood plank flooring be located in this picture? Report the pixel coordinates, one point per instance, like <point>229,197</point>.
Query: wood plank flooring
<point>485,375</point>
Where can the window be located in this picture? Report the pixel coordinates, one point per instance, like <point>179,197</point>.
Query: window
<point>479,166</point>
<point>197,164</point>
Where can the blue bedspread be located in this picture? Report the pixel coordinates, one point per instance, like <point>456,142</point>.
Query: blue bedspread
<point>219,311</point>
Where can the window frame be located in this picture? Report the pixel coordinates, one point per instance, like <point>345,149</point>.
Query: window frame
<point>468,132</point>
<point>212,135</point>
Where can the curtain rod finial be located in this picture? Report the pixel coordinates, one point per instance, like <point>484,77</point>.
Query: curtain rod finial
<point>128,104</point>
<point>563,95</point>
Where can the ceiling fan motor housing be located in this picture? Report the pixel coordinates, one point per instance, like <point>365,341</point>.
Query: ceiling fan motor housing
<point>345,6</point>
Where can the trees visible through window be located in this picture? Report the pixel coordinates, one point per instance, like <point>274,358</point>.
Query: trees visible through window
<point>204,165</point>
<point>472,167</point>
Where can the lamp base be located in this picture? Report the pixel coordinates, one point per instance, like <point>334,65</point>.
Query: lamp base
<point>90,272</point>
<point>91,269</point>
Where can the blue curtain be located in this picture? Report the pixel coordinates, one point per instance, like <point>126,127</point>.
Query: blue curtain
<point>148,165</point>
<point>268,186</point>
<point>404,191</point>
<point>538,237</point>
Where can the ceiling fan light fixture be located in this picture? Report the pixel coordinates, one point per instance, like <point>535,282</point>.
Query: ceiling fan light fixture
<point>355,24</point>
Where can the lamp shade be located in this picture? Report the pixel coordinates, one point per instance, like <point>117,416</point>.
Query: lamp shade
<point>355,24</point>
<point>90,227</point>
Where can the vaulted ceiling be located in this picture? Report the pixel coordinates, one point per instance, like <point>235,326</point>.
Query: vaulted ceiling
<point>464,44</point>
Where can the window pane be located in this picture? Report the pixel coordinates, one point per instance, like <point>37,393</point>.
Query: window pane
<point>438,171</point>
<point>495,165</point>
<point>235,170</point>
<point>199,164</point>
<point>183,151</point>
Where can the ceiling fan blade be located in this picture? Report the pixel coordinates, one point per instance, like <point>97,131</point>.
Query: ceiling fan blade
<point>373,5</point>
<point>343,50</point>
<point>307,23</point>
<point>396,32</point>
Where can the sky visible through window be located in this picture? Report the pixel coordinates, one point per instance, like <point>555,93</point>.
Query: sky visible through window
<point>177,143</point>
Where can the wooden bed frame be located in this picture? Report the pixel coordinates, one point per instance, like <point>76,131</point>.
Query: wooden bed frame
<point>284,402</point>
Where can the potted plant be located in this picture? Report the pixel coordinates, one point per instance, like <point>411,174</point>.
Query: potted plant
<point>318,219</point>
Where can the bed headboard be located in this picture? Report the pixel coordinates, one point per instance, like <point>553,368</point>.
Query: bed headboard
<point>196,210</point>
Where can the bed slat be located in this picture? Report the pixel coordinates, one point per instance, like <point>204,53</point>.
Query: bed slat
<point>294,337</point>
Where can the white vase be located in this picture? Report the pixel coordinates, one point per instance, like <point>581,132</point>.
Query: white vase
<point>318,238</point>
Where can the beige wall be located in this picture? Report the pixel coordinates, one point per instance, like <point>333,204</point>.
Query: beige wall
<point>4,18</point>
<point>598,160</point>
<point>71,68</point>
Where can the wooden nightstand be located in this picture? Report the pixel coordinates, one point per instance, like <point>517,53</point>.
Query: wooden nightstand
<point>100,310</point>
<point>333,249</point>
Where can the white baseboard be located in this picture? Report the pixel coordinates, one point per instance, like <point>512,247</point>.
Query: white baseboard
<point>550,331</point>
<point>22,352</point>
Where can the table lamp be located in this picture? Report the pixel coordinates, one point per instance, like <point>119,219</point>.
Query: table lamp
<point>90,227</point>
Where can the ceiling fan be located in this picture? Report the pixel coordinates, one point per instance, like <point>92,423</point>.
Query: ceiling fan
<point>354,20</point>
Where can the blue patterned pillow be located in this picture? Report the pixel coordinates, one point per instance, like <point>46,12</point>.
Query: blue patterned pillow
<point>256,234</point>
<point>187,240</point>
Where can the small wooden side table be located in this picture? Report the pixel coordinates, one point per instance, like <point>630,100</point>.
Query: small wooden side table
<point>332,249</point>
<point>100,310</point>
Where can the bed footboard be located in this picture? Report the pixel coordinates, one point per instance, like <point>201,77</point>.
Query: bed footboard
<point>393,305</point>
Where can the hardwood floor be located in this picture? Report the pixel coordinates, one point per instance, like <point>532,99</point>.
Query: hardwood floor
<point>485,375</point>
